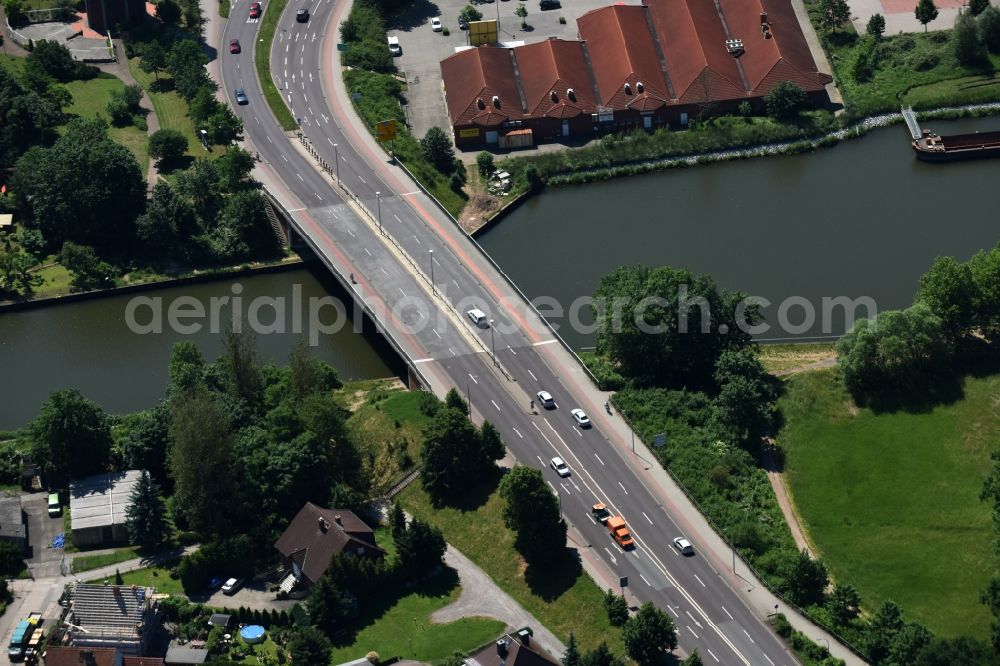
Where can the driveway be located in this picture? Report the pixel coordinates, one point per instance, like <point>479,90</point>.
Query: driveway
<point>43,561</point>
<point>253,595</point>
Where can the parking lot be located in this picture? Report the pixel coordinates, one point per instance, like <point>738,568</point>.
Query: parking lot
<point>424,49</point>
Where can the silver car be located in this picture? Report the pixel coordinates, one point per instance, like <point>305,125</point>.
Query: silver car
<point>546,400</point>
<point>581,417</point>
<point>560,467</point>
<point>684,546</point>
<point>241,96</point>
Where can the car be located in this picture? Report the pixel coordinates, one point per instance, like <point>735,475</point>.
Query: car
<point>241,96</point>
<point>581,417</point>
<point>684,546</point>
<point>436,25</point>
<point>302,15</point>
<point>561,468</point>
<point>394,48</point>
<point>463,23</point>
<point>234,46</point>
<point>600,512</point>
<point>255,10</point>
<point>478,318</point>
<point>549,4</point>
<point>545,398</point>
<point>231,586</point>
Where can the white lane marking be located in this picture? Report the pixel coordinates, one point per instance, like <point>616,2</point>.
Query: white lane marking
<point>592,519</point>
<point>452,351</point>
<point>700,581</point>
<point>310,111</point>
<point>269,140</point>
<point>417,239</point>
<point>610,555</point>
<point>284,158</point>
<point>495,405</point>
<point>578,432</point>
<point>554,491</point>
<point>543,342</point>
<point>286,63</point>
<point>511,350</point>
<point>768,659</point>
<point>574,485</point>
<point>318,196</point>
<point>598,458</point>
<point>696,622</point>
<point>401,291</point>
<point>671,609</point>
<point>622,487</point>
<point>384,271</point>
<point>436,262</point>
<point>397,218</point>
<point>473,378</point>
<point>300,177</point>
<point>532,375</point>
<point>691,630</point>
<point>352,233</point>
<point>518,433</point>
<point>647,517</point>
<point>727,612</point>
<point>436,333</point>
<point>540,460</point>
<point>423,360</point>
<point>749,636</point>
<point>645,581</point>
<point>368,251</point>
<point>330,140</point>
<point>713,655</point>
<point>360,178</point>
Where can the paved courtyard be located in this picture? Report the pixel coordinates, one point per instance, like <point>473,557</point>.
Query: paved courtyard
<point>899,15</point>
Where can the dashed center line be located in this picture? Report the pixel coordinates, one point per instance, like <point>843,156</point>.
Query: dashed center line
<point>713,655</point>
<point>598,458</point>
<point>700,580</point>
<point>532,375</point>
<point>747,633</point>
<point>620,485</point>
<point>518,433</point>
<point>647,518</point>
<point>727,612</point>
<point>495,405</point>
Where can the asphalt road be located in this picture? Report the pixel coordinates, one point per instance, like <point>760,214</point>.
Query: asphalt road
<point>709,614</point>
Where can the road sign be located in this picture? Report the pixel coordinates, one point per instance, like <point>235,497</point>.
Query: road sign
<point>660,440</point>
<point>623,582</point>
<point>356,96</point>
<point>386,130</point>
<point>342,48</point>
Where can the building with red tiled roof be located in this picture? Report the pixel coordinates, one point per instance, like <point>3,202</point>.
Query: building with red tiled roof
<point>142,661</point>
<point>76,656</point>
<point>635,66</point>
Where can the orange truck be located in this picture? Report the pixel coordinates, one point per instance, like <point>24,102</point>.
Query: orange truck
<point>619,532</point>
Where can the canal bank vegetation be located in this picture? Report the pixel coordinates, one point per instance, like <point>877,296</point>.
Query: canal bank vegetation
<point>377,92</point>
<point>717,409</point>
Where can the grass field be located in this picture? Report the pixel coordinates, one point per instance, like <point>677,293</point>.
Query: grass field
<point>90,99</point>
<point>157,577</point>
<point>262,51</point>
<point>88,562</point>
<point>782,358</point>
<point>385,423</point>
<point>400,626</point>
<point>892,500</point>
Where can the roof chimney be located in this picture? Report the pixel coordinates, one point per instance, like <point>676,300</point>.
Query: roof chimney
<point>323,525</point>
<point>554,96</point>
<point>502,648</point>
<point>639,87</point>
<point>571,94</point>
<point>338,520</point>
<point>496,101</point>
<point>480,103</point>
<point>628,89</point>
<point>525,636</point>
<point>763,18</point>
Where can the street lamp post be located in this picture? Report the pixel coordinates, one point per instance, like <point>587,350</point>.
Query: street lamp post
<point>493,343</point>
<point>468,395</point>
<point>432,271</point>
<point>336,163</point>
<point>378,197</point>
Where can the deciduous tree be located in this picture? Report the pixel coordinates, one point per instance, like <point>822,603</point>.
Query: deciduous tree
<point>967,43</point>
<point>616,608</point>
<point>419,548</point>
<point>876,26</point>
<point>454,453</point>
<point>925,12</point>
<point>438,150</point>
<point>532,511</point>
<point>167,145</point>
<point>807,580</point>
<point>649,635</point>
<point>309,647</point>
<point>153,58</point>
<point>71,437</point>
<point>785,100</point>
<point>89,272</point>
<point>835,13</point>
<point>949,290</point>
<point>989,27</point>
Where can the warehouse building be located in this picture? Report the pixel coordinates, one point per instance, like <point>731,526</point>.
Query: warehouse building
<point>649,65</point>
<point>97,506</point>
<point>121,617</point>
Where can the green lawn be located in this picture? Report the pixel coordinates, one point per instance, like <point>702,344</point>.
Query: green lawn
<point>158,577</point>
<point>892,500</point>
<point>88,562</point>
<point>90,99</point>
<point>396,626</point>
<point>262,52</point>
<point>785,357</point>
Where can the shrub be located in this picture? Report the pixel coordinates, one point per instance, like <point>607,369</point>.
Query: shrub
<point>989,27</point>
<point>923,61</point>
<point>785,100</point>
<point>967,43</point>
<point>167,145</point>
<point>562,20</point>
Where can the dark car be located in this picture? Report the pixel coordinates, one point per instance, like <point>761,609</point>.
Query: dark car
<point>302,15</point>
<point>549,4</point>
<point>241,96</point>
<point>255,10</point>
<point>462,23</point>
<point>234,46</point>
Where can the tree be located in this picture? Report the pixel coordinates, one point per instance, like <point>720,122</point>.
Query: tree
<point>470,14</point>
<point>186,370</point>
<point>84,188</point>
<point>234,167</point>
<point>200,461</point>
<point>72,438</point>
<point>147,440</point>
<point>169,226</point>
<point>89,272</point>
<point>745,394</point>
<point>186,61</point>
<point>15,11</point>
<point>977,7</point>
<point>876,26</point>
<point>844,604</point>
<point>807,580</point>
<point>11,563</point>
<point>882,630</point>
<point>145,516</point>
<point>616,608</point>
<point>55,60</point>
<point>572,655</point>
<point>240,370</point>
<point>26,116</point>
<point>926,12</point>
<point>420,548</point>
<point>154,57</point>
<point>438,150</point>
<point>835,13</point>
<point>694,659</point>
<point>989,28</point>
<point>124,104</point>
<point>484,160</point>
<point>453,453</point>
<point>328,605</point>
<point>990,597</point>
<point>948,288</point>
<point>308,646</point>
<point>455,401</point>
<point>200,185</point>
<point>167,145</point>
<point>532,511</point>
<point>649,635</point>
<point>785,100</point>
<point>397,520</point>
<point>522,12</point>
<point>224,126</point>
<point>967,43</point>
<point>168,11</point>
<point>16,271</point>
<point>244,230</point>
<point>602,656</point>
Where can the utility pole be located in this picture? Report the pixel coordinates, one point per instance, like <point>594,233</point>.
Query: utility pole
<point>432,271</point>
<point>336,163</point>
<point>493,343</point>
<point>378,196</point>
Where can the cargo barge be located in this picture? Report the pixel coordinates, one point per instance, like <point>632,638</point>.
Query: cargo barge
<point>934,148</point>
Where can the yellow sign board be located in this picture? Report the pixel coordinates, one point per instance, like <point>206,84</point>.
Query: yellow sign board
<point>483,32</point>
<point>468,133</point>
<point>386,130</point>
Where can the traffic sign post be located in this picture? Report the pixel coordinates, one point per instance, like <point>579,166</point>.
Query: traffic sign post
<point>623,583</point>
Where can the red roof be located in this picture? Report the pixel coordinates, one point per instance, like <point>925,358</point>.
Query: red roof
<point>784,56</point>
<point>74,656</point>
<point>548,71</point>
<point>622,52</point>
<point>693,39</point>
<point>473,78</point>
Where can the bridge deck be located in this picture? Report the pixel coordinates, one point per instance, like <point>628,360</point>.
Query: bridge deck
<point>911,122</point>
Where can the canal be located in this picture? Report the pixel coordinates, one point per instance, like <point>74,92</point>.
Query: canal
<point>861,219</point>
<point>89,345</point>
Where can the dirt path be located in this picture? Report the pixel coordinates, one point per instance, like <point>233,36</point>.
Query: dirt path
<point>785,502</point>
<point>821,364</point>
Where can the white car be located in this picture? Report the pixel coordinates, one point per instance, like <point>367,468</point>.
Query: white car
<point>231,586</point>
<point>436,24</point>
<point>683,545</point>
<point>581,418</point>
<point>545,398</point>
<point>478,317</point>
<point>561,468</point>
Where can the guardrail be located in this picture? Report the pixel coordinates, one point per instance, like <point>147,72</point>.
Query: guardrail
<point>377,223</point>
<point>725,538</point>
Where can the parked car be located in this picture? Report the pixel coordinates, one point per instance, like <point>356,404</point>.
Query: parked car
<point>436,25</point>
<point>241,96</point>
<point>549,4</point>
<point>463,23</point>
<point>231,586</point>
<point>478,318</point>
<point>581,417</point>
<point>394,47</point>
<point>234,46</point>
<point>55,508</point>
<point>560,467</point>
<point>302,15</point>
<point>546,400</point>
<point>255,10</point>
<point>683,545</point>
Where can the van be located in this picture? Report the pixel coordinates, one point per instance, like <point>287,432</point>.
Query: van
<point>619,532</point>
<point>394,47</point>
<point>478,318</point>
<point>55,508</point>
